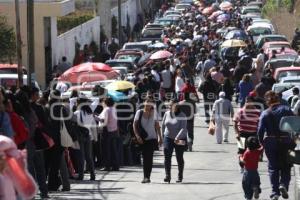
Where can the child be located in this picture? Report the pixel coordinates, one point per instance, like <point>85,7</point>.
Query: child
<point>250,159</point>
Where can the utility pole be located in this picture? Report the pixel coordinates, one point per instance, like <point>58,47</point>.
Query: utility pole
<point>30,40</point>
<point>120,22</point>
<point>19,44</point>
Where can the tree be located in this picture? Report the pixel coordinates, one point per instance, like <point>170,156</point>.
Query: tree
<point>7,41</point>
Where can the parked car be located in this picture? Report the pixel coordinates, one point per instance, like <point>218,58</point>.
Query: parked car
<point>11,69</point>
<point>269,38</point>
<point>250,9</point>
<point>122,63</point>
<point>282,62</point>
<point>152,34</point>
<point>183,6</point>
<point>153,25</point>
<point>236,34</point>
<point>172,12</point>
<point>167,21</point>
<point>255,3</point>
<point>285,72</point>
<point>258,29</point>
<point>10,80</point>
<point>132,55</point>
<point>137,45</point>
<point>290,79</point>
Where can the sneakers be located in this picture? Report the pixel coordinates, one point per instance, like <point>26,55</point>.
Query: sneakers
<point>146,180</point>
<point>256,192</point>
<point>283,192</point>
<point>275,197</point>
<point>225,140</point>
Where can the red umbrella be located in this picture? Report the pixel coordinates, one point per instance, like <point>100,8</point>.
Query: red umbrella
<point>163,54</point>
<point>83,77</point>
<point>88,72</point>
<point>88,67</point>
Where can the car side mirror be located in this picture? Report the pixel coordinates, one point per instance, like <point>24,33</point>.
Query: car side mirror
<point>290,124</point>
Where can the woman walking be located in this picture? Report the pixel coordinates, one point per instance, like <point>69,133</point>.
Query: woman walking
<point>245,87</point>
<point>175,136</point>
<point>147,120</point>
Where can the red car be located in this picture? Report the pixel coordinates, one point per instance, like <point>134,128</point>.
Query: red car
<point>10,69</point>
<point>132,55</point>
<point>277,46</point>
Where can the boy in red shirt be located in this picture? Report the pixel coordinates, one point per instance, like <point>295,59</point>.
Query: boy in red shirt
<point>251,179</point>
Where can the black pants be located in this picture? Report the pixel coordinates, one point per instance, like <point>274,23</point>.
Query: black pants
<point>53,160</point>
<point>207,107</point>
<point>85,155</point>
<point>147,153</point>
<point>169,147</point>
<point>111,150</point>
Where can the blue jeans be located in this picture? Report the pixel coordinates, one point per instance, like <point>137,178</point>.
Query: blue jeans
<point>169,147</point>
<point>279,169</point>
<point>85,144</point>
<point>250,180</point>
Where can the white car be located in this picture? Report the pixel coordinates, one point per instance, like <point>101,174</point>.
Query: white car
<point>182,7</point>
<point>260,28</point>
<point>290,79</point>
<point>11,80</point>
<point>172,12</point>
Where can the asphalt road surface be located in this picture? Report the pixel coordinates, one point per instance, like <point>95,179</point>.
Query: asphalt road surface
<point>211,173</point>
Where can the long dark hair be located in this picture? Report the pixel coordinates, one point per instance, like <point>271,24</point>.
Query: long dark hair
<point>84,106</point>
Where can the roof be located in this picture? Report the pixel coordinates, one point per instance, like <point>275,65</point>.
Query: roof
<point>282,69</point>
<point>260,25</point>
<point>118,60</point>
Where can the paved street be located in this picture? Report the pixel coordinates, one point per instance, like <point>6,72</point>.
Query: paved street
<point>211,173</point>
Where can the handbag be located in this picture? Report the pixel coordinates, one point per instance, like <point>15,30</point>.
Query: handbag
<point>41,139</point>
<point>143,133</point>
<point>65,138</point>
<point>211,128</point>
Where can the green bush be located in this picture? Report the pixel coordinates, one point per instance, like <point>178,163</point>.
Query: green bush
<point>68,22</point>
<point>272,6</point>
<point>7,41</point>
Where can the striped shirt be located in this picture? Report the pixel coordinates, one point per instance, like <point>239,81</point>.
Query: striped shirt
<point>247,120</point>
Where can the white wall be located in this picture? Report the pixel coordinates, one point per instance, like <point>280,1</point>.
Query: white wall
<point>83,34</point>
<point>130,7</point>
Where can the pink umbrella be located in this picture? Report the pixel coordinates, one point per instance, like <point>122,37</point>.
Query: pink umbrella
<point>88,67</point>
<point>226,6</point>
<point>163,54</point>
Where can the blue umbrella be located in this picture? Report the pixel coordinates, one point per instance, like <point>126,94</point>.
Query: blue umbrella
<point>236,34</point>
<point>117,96</point>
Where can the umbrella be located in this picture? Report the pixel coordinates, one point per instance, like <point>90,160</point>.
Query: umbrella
<point>120,85</point>
<point>234,43</point>
<point>88,72</point>
<point>208,11</point>
<point>236,34</point>
<point>88,67</point>
<point>226,5</point>
<point>223,18</point>
<point>163,54</point>
<point>116,95</point>
<point>82,77</point>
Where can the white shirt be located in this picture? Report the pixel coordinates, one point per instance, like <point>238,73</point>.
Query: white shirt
<point>296,108</point>
<point>166,79</point>
<point>156,75</point>
<point>88,121</point>
<point>148,124</point>
<point>109,115</point>
<point>179,84</point>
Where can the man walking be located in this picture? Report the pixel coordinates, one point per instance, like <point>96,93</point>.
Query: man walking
<point>222,111</point>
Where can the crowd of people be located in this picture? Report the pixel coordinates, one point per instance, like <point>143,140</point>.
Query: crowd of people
<point>101,135</point>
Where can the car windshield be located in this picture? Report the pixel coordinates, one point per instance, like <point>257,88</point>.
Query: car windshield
<point>132,58</point>
<point>292,80</point>
<point>152,33</point>
<point>182,7</point>
<point>142,47</point>
<point>251,10</point>
<point>260,31</point>
<point>129,66</point>
<point>279,46</point>
<point>288,73</point>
